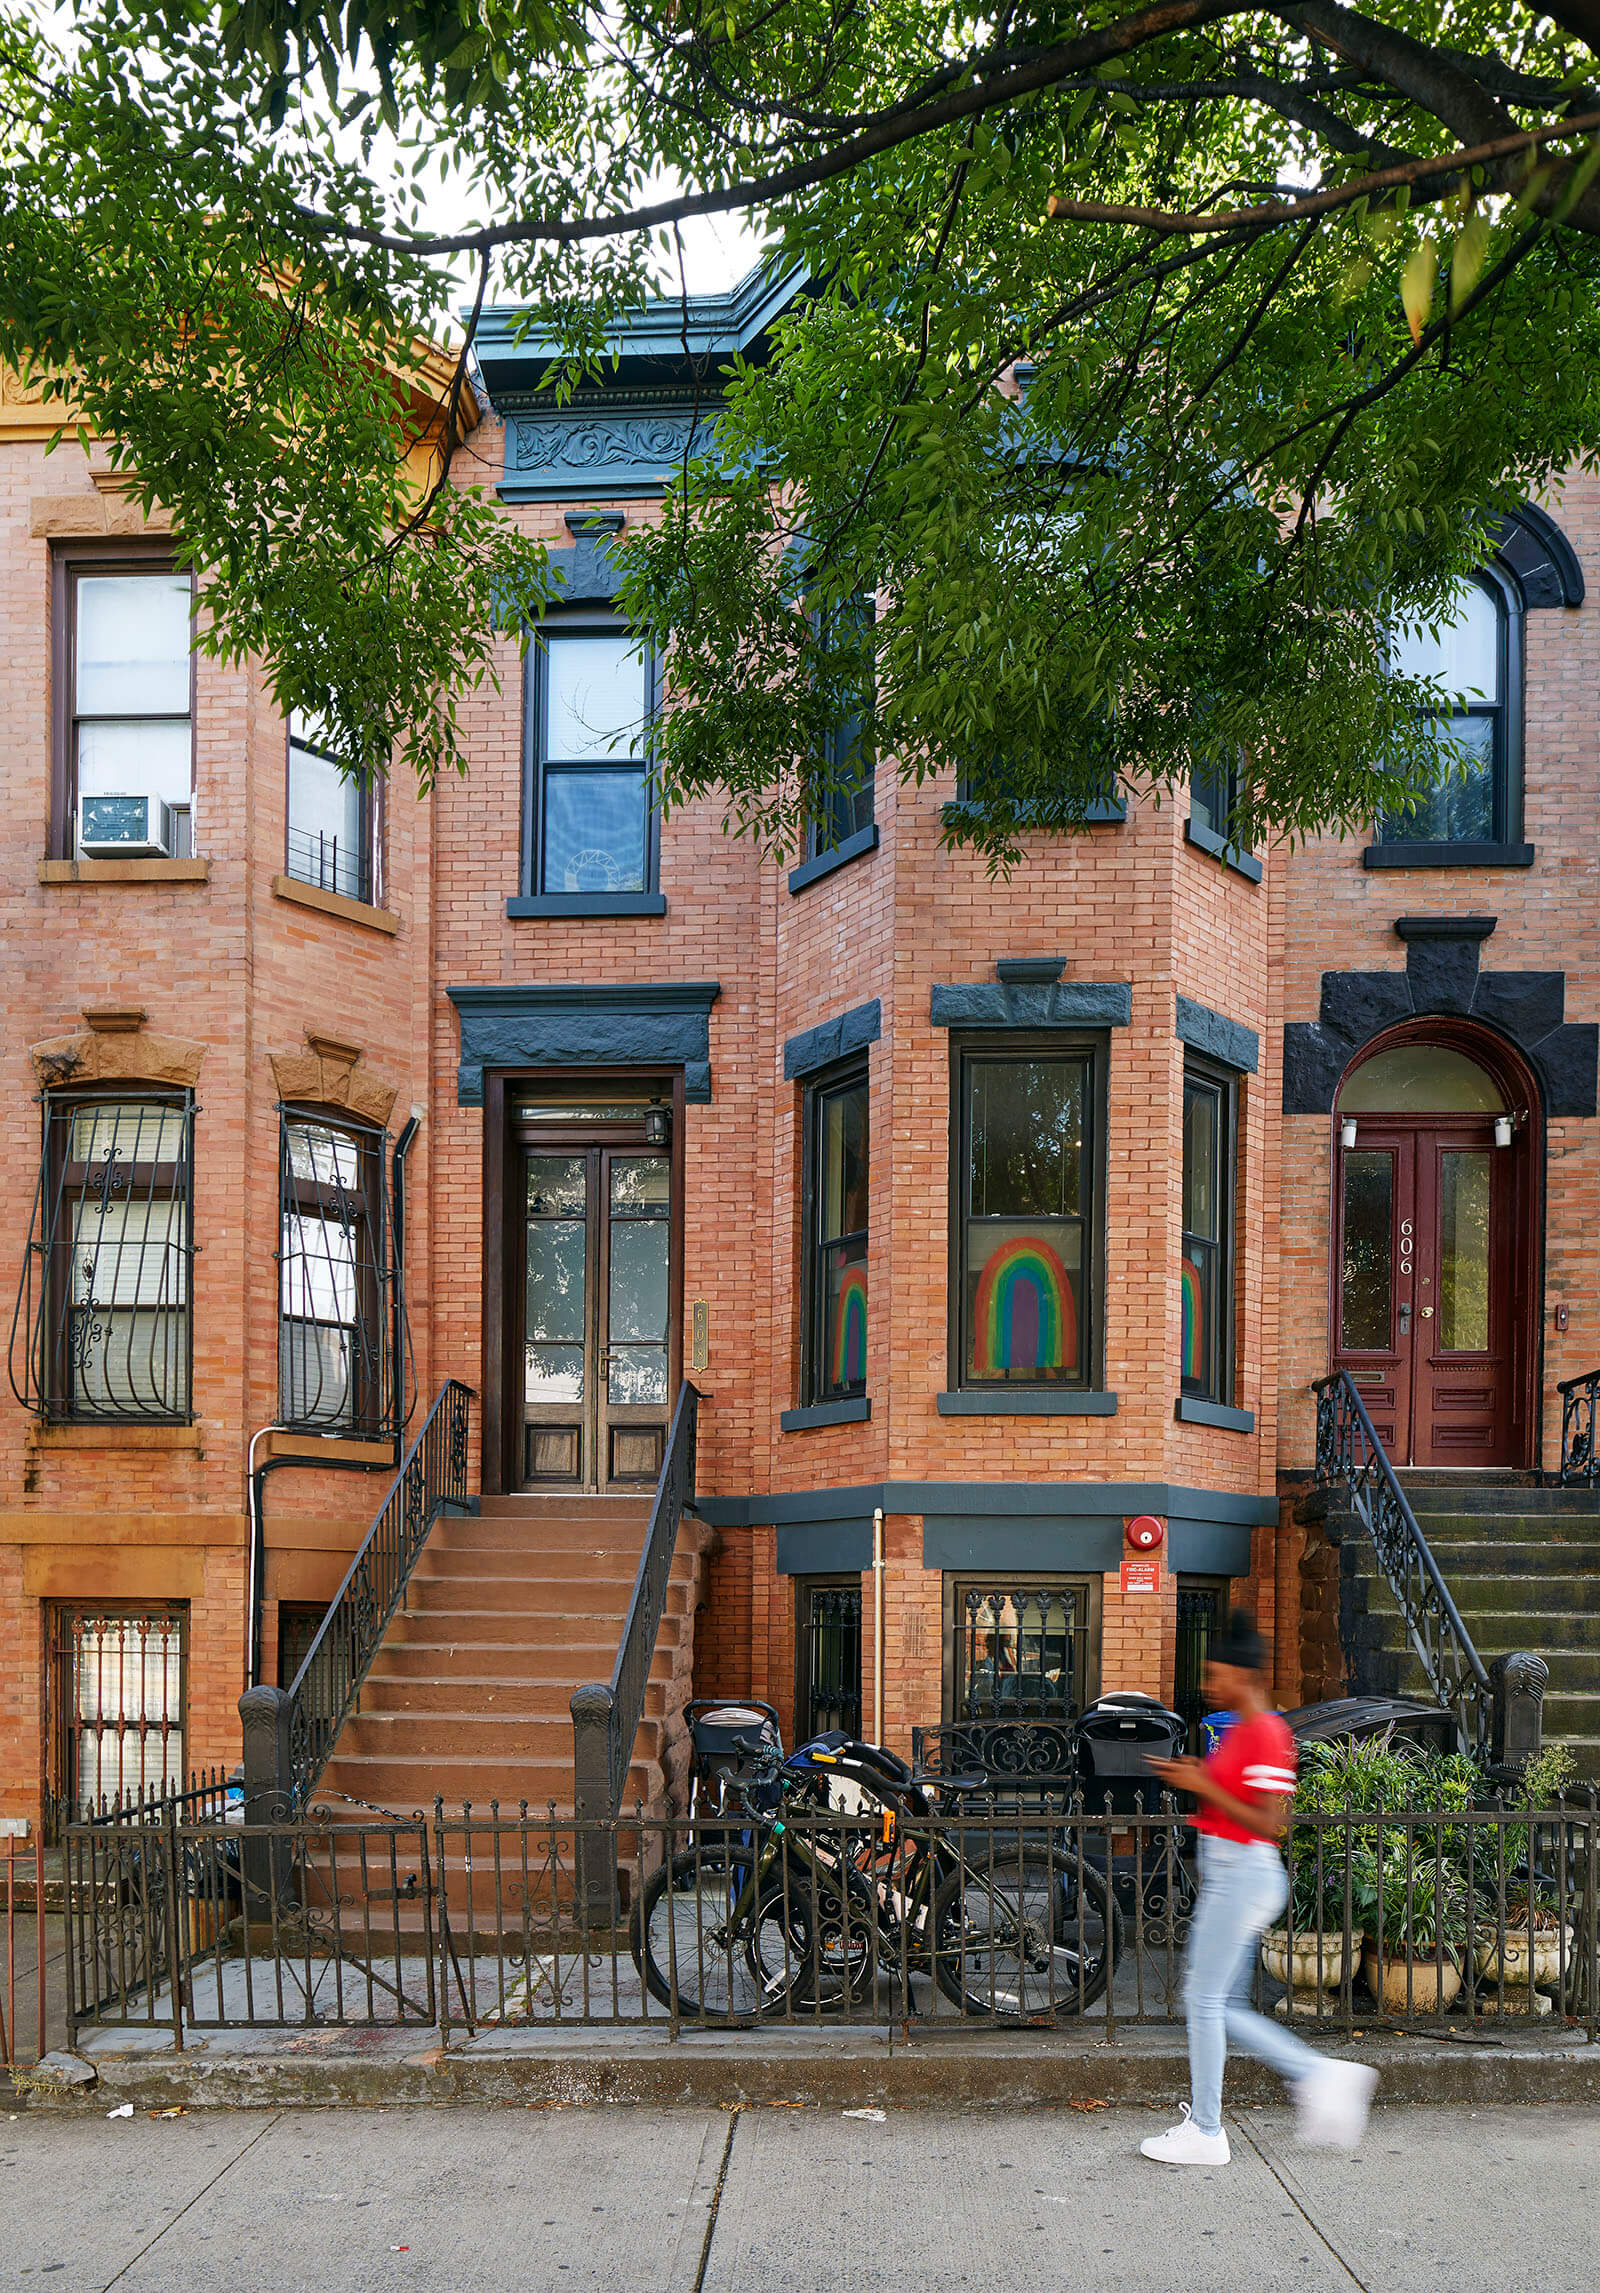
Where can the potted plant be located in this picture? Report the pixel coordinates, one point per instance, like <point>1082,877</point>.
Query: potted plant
<point>1519,1938</point>
<point>1313,1950</point>
<point>1415,1920</point>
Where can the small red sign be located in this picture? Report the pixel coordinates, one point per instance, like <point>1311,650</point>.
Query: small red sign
<point>1141,1576</point>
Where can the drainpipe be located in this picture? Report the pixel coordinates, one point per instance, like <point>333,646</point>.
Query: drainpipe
<point>877,1624</point>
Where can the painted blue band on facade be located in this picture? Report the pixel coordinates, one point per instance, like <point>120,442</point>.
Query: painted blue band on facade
<point>832,1040</point>
<point>1223,1039</point>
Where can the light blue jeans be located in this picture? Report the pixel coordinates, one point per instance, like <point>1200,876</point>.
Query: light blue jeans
<point>1243,1888</point>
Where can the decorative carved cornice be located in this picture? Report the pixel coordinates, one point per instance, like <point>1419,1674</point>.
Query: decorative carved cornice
<point>607,450</point>
<point>328,1074</point>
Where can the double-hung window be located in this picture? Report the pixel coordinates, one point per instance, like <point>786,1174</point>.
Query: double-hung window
<point>106,1298</point>
<point>1028,1218</point>
<point>844,807</point>
<point>124,702</point>
<point>835,1285</point>
<point>590,832</point>
<point>332,818</point>
<point>1210,1102</point>
<point>334,1337</point>
<point>1477,656</point>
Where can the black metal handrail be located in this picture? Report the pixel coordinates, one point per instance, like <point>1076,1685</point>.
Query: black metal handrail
<point>323,1693</point>
<point>1350,1453</point>
<point>1579,1399</point>
<point>606,1714</point>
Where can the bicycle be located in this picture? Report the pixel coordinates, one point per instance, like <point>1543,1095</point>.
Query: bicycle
<point>831,1869</point>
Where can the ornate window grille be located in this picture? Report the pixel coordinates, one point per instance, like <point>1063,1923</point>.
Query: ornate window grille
<point>118,1692</point>
<point>336,1338</point>
<point>102,1331</point>
<point>1020,1651</point>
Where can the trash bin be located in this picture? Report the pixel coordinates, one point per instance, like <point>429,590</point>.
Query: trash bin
<point>1213,1728</point>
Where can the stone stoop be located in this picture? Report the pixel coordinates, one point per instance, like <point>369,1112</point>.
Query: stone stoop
<point>1522,1564</point>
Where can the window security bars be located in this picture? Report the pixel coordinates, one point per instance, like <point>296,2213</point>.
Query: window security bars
<point>1455,1921</point>
<point>102,1331</point>
<point>1020,1652</point>
<point>336,1366</point>
<point>1200,1617</point>
<point>118,1684</point>
<point>830,1659</point>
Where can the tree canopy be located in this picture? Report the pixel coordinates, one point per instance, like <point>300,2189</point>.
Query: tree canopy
<point>1151,365</point>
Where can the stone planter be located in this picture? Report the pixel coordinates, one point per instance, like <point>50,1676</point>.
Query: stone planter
<point>1430,1990</point>
<point>1539,1951</point>
<point>1316,1962</point>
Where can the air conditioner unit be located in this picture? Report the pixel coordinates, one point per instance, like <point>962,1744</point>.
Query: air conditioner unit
<point>125,827</point>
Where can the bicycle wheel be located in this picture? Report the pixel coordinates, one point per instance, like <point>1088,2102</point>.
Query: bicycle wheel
<point>816,1943</point>
<point>692,1943</point>
<point>1023,1933</point>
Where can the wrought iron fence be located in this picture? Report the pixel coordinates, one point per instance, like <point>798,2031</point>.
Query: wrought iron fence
<point>1064,1918</point>
<point>24,2033</point>
<point>306,1718</point>
<point>1350,1455</point>
<point>1580,1465</point>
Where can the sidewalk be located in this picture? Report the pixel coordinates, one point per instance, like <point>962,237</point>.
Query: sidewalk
<point>766,2200</point>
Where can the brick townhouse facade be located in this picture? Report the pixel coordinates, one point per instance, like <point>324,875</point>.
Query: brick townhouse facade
<point>986,1216</point>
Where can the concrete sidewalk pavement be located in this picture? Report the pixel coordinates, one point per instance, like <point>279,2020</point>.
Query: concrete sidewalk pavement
<point>773,2200</point>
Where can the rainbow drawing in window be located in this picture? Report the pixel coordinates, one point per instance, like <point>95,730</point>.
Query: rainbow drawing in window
<point>1194,1318</point>
<point>1024,1316</point>
<point>848,1364</point>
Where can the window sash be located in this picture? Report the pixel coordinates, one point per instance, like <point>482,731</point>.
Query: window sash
<point>75,721</point>
<point>1205,1273</point>
<point>632,758</point>
<point>1503,714</point>
<point>330,821</point>
<point>335,1345</point>
<point>113,1336</point>
<point>1026,1285</point>
<point>836,1305</point>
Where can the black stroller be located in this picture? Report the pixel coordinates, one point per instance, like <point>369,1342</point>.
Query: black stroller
<point>1116,1738</point>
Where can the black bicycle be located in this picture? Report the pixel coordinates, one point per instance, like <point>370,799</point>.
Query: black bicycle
<point>811,1879</point>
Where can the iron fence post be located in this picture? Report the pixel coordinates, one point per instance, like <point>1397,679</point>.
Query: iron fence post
<point>268,1797</point>
<point>594,1875</point>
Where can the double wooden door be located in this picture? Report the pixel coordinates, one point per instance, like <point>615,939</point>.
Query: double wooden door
<point>597,1336</point>
<point>1425,1296</point>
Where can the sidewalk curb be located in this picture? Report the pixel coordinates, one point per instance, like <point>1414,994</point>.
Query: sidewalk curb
<point>715,2076</point>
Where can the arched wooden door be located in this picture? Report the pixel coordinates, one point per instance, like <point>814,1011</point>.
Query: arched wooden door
<point>1435,1288</point>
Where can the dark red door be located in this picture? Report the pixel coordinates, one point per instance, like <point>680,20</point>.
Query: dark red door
<point>1425,1292</point>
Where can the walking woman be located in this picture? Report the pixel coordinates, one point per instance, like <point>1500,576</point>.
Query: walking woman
<point>1244,1790</point>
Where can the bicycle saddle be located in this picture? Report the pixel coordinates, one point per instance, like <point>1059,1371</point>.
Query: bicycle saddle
<point>929,1779</point>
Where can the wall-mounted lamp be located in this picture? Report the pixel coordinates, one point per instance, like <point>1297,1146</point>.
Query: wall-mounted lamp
<point>1347,1131</point>
<point>1502,1130</point>
<point>655,1127</point>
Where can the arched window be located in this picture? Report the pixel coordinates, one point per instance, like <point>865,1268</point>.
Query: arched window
<point>335,1351</point>
<point>1476,810</point>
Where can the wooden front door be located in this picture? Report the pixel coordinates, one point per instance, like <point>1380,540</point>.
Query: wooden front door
<point>1426,1299</point>
<point>598,1336</point>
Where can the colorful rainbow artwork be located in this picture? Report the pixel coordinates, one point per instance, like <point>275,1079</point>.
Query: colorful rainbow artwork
<point>1194,1317</point>
<point>849,1365</point>
<point>1024,1316</point>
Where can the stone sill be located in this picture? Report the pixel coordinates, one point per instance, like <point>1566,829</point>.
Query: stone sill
<point>1218,848</point>
<point>577,907</point>
<point>118,1437</point>
<point>318,1448</point>
<point>1013,1402</point>
<point>335,904</point>
<point>1191,1410</point>
<point>124,871</point>
<point>1402,855</point>
<point>853,1411</point>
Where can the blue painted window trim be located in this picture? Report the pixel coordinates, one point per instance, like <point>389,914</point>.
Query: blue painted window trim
<point>1218,848</point>
<point>812,871</point>
<point>1191,1410</point>
<point>1013,1402</point>
<point>854,1411</point>
<point>1225,1040</point>
<point>1100,812</point>
<point>1399,855</point>
<point>834,1039</point>
<point>580,904</point>
<point>983,1006</point>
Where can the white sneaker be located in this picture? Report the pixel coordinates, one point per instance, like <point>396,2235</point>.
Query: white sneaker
<point>1185,2145</point>
<point>1331,2105</point>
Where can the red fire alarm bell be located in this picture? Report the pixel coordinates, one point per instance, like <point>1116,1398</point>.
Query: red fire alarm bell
<point>1145,1533</point>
